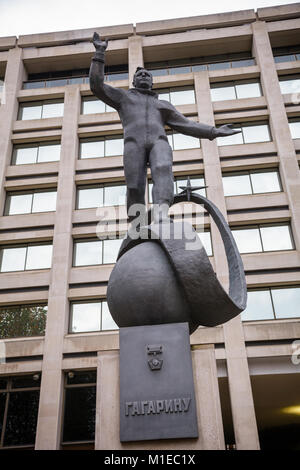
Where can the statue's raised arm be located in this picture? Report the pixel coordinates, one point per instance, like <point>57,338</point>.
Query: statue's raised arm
<point>106,93</point>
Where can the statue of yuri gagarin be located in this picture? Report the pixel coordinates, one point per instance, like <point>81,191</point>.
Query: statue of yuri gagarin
<point>144,118</point>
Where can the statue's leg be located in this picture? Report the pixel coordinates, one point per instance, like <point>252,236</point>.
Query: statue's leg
<point>161,158</point>
<point>135,168</point>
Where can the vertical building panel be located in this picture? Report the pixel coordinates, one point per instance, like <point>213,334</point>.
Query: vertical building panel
<point>49,422</point>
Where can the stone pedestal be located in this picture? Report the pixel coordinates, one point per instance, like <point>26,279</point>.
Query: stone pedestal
<point>157,399</point>
<point>210,428</point>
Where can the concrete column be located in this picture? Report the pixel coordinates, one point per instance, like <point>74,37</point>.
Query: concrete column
<point>207,398</point>
<point>242,406</point>
<point>289,168</point>
<point>107,401</point>
<point>212,169</point>
<point>135,55</point>
<point>49,418</point>
<point>14,76</point>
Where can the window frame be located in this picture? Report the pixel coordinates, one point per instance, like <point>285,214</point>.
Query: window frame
<point>293,120</point>
<point>73,386</point>
<point>101,138</point>
<point>19,307</point>
<point>89,301</point>
<point>85,240</point>
<point>234,84</point>
<point>10,389</point>
<point>172,133</point>
<point>293,56</point>
<point>269,289</point>
<point>261,123</point>
<point>85,99</point>
<point>169,90</point>
<point>33,145</point>
<point>9,194</point>
<point>176,179</point>
<point>195,64</point>
<point>100,300</point>
<point>24,245</point>
<point>243,125</point>
<point>206,230</point>
<point>288,78</point>
<point>95,186</point>
<point>41,103</point>
<point>82,187</point>
<point>258,227</point>
<point>249,173</point>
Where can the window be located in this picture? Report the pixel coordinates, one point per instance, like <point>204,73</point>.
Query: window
<point>94,252</point>
<point>116,76</point>
<point>90,197</point>
<point>178,95</point>
<point>101,195</point>
<point>235,90</point>
<point>294,128</point>
<point>181,141</point>
<point>30,202</point>
<point>1,89</point>
<point>56,78</point>
<point>263,238</point>
<point>289,84</point>
<point>19,402</point>
<point>251,182</point>
<point>41,109</point>
<point>25,257</point>
<point>195,181</point>
<point>22,320</point>
<point>219,66</point>
<point>285,57</point>
<point>180,181</point>
<point>249,134</point>
<point>91,316</point>
<point>70,77</point>
<point>196,64</point>
<point>272,303</point>
<point>36,153</point>
<point>116,72</point>
<point>205,238</point>
<point>101,147</point>
<point>29,85</point>
<point>91,105</point>
<point>79,407</point>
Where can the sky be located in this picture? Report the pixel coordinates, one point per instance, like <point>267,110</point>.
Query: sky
<point>19,17</point>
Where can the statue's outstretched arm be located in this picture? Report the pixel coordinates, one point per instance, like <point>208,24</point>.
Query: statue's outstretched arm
<point>180,123</point>
<point>110,95</point>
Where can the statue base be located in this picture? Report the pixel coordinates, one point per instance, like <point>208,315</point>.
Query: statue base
<point>157,398</point>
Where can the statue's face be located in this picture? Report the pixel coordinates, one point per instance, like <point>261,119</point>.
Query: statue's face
<point>143,79</point>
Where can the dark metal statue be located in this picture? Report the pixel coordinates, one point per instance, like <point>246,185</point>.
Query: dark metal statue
<point>144,118</point>
<point>156,279</point>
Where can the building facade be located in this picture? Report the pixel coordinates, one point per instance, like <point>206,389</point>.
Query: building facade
<point>62,204</point>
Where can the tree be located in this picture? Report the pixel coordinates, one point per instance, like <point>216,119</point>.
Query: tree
<point>18,321</point>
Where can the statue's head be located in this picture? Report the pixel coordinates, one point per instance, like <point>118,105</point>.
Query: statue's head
<point>142,79</point>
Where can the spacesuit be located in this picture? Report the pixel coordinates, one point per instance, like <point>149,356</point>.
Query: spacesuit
<point>144,118</point>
